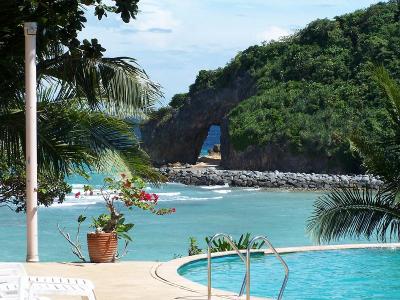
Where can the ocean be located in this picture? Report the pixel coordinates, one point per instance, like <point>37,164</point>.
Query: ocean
<point>214,136</point>
<point>200,212</point>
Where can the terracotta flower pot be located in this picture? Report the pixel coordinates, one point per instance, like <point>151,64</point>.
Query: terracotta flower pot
<point>102,247</point>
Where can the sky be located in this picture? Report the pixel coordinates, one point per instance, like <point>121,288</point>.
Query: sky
<point>174,39</point>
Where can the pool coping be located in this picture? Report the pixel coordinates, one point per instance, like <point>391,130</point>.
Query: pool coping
<point>167,272</point>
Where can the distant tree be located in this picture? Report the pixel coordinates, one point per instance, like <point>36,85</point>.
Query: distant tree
<point>179,100</point>
<point>12,187</point>
<point>397,16</point>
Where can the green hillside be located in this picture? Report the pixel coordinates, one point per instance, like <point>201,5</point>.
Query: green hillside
<point>314,88</point>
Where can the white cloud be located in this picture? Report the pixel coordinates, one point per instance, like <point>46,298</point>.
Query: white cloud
<point>155,24</point>
<point>155,16</point>
<point>174,39</point>
<point>273,33</point>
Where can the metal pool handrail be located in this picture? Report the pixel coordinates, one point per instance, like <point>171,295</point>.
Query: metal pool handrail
<point>210,246</point>
<point>247,277</point>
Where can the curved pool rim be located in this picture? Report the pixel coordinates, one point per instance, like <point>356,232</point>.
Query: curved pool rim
<point>168,272</point>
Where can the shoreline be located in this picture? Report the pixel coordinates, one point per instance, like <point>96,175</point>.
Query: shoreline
<point>271,180</point>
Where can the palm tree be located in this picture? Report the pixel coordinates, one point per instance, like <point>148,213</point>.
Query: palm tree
<point>355,212</point>
<point>83,111</point>
<point>86,102</point>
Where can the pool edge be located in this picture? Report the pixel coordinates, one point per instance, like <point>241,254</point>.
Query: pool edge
<point>167,272</point>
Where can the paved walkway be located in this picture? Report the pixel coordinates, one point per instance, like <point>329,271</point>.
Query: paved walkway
<point>119,281</point>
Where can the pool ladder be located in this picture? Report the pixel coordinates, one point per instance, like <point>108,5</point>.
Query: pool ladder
<point>247,262</point>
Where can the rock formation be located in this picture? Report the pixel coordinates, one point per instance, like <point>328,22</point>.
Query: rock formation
<point>212,176</point>
<point>181,137</point>
<point>279,157</point>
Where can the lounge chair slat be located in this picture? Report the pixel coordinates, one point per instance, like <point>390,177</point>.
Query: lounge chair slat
<point>12,275</point>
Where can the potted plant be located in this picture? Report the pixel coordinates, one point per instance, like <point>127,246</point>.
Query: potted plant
<point>112,226</point>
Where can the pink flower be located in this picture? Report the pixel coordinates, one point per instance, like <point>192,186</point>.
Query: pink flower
<point>77,195</point>
<point>142,195</point>
<point>155,198</point>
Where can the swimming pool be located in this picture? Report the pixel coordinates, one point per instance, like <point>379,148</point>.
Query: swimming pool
<point>317,275</point>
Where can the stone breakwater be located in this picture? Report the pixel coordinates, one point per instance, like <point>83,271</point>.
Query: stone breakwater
<point>212,176</point>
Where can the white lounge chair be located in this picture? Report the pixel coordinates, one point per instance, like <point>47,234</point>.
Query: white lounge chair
<point>16,284</point>
<point>39,286</point>
<point>12,287</point>
<point>13,283</point>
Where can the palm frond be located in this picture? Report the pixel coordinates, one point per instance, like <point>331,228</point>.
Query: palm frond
<point>355,213</point>
<point>115,144</point>
<point>379,159</point>
<point>11,79</point>
<point>74,139</point>
<point>381,156</point>
<point>391,88</point>
<point>117,86</point>
<point>12,134</point>
<point>54,90</point>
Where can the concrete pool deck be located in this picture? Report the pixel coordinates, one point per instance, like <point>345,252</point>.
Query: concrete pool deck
<point>120,281</point>
<point>154,280</point>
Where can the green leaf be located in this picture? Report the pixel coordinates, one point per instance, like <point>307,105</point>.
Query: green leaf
<point>108,180</point>
<point>354,213</point>
<point>81,219</point>
<point>124,236</point>
<point>129,226</point>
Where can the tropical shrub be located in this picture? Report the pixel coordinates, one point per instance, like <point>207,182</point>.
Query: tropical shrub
<point>128,192</point>
<point>221,245</point>
<point>193,247</point>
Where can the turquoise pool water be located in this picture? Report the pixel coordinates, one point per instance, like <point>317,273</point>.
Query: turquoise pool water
<point>342,274</point>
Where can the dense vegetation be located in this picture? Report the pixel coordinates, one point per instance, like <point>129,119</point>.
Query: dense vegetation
<point>179,100</point>
<point>353,212</point>
<point>314,88</point>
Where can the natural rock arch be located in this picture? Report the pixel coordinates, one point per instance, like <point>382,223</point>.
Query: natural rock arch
<point>180,138</point>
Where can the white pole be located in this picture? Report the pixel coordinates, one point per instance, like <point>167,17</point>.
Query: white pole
<point>31,143</point>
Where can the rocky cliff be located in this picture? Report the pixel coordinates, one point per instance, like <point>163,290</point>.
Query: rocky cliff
<point>289,105</point>
<point>280,156</point>
<point>180,137</point>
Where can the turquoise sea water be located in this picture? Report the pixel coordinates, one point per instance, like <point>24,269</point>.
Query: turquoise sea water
<point>213,137</point>
<point>200,212</point>
<point>343,274</point>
